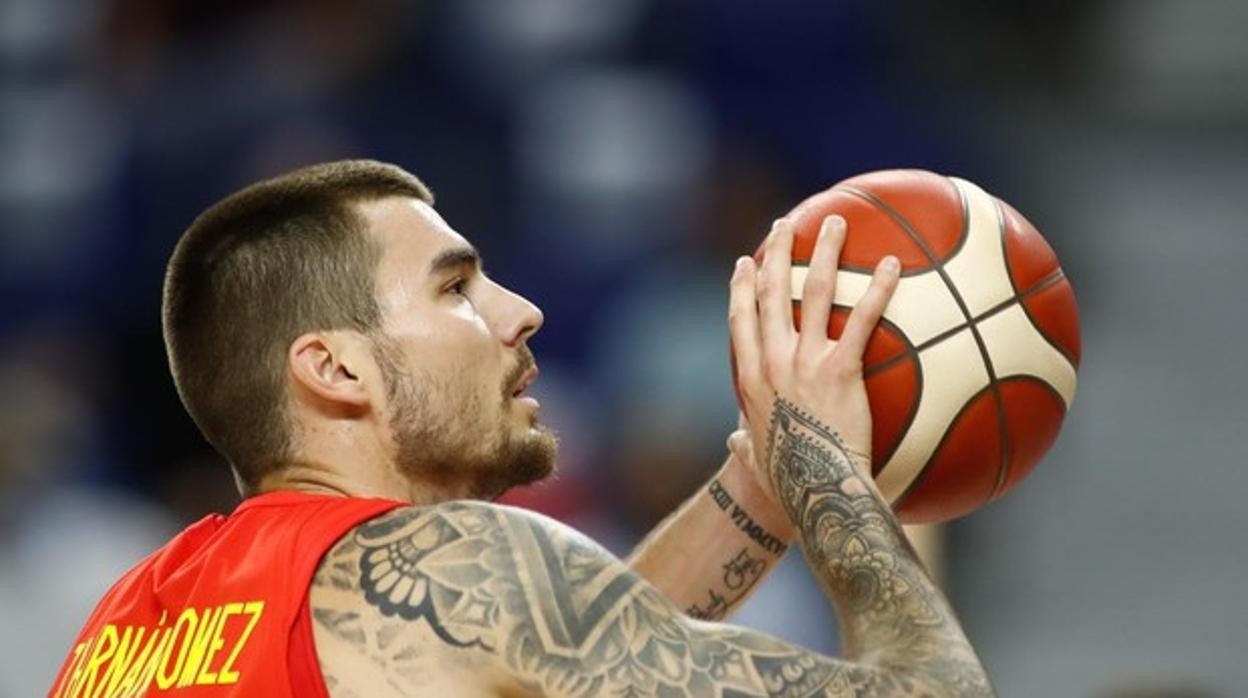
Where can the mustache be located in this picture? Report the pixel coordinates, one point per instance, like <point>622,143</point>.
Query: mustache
<point>526,361</point>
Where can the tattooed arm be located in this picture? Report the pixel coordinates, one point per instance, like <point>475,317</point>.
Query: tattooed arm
<point>468,598</point>
<point>710,554</point>
<point>796,388</point>
<point>477,599</point>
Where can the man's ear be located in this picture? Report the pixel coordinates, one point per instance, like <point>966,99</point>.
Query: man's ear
<point>325,364</point>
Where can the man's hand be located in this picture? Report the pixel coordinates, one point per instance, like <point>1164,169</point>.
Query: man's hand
<point>818,374</point>
<point>814,446</point>
<point>494,601</point>
<point>756,484</point>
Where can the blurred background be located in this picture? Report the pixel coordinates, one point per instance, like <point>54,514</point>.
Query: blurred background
<point>611,158</point>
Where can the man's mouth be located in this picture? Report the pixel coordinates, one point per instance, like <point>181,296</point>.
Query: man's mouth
<point>525,381</point>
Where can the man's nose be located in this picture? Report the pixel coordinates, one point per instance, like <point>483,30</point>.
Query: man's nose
<point>521,318</point>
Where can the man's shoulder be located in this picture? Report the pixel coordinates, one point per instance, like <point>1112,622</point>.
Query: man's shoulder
<point>442,581</point>
<point>425,527</point>
<point>453,564</point>
<point>394,560</point>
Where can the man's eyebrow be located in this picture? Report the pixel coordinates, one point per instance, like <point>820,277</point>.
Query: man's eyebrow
<point>454,258</point>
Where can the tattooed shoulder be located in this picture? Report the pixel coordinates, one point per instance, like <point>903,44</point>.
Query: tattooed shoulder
<point>486,588</point>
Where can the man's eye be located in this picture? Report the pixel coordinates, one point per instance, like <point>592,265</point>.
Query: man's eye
<point>459,288</point>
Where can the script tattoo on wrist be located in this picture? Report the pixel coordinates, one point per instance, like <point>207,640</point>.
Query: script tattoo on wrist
<point>742,519</point>
<point>741,573</point>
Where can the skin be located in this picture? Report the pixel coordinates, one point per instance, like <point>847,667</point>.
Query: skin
<point>459,597</point>
<point>453,343</point>
<point>379,416</point>
<point>382,416</point>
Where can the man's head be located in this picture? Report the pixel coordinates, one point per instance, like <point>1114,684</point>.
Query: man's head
<point>332,305</point>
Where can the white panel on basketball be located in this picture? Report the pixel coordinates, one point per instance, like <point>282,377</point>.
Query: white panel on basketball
<point>952,374</point>
<point>1016,348</point>
<point>978,269</point>
<point>921,307</point>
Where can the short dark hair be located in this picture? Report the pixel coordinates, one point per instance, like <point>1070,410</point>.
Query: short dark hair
<point>262,266</point>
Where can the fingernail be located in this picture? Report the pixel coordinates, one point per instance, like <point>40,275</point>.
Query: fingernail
<point>740,265</point>
<point>892,264</point>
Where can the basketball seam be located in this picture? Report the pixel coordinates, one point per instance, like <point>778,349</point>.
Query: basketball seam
<point>1055,276</point>
<point>913,350</point>
<point>908,351</point>
<point>1007,444</point>
<point>1009,272</point>
<point>919,479</point>
<point>1050,389</point>
<point>930,254</point>
<point>939,266</point>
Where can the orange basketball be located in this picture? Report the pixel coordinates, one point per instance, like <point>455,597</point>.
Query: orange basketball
<point>972,369</point>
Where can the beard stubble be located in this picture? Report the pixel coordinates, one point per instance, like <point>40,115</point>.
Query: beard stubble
<point>436,441</point>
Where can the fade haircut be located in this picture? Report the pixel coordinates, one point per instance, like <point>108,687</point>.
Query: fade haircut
<point>266,264</point>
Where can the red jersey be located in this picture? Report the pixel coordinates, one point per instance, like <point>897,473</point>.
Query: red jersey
<point>221,610</point>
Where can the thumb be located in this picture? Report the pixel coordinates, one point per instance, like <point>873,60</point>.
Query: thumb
<point>740,446</point>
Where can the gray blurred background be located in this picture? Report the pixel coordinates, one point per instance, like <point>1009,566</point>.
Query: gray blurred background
<point>610,158</point>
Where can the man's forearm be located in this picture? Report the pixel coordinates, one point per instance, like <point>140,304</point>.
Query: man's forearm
<point>889,609</point>
<point>713,551</point>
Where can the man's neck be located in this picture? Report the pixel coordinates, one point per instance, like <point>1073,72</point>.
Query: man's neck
<point>320,479</point>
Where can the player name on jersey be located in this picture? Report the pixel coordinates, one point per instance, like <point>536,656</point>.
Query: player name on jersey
<point>199,648</point>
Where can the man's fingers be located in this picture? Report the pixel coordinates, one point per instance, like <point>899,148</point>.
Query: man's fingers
<point>820,287</point>
<point>775,297</point>
<point>743,328</point>
<point>739,445</point>
<point>870,308</point>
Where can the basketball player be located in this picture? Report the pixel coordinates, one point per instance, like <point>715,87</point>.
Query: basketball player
<point>340,345</point>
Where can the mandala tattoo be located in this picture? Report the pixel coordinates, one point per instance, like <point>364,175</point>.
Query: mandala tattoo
<point>884,597</point>
<point>508,588</point>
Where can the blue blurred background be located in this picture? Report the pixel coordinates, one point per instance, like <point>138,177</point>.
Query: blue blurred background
<point>611,158</point>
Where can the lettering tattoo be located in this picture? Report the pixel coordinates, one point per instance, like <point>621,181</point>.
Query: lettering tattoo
<point>476,588</point>
<point>765,539</point>
<point>741,573</point>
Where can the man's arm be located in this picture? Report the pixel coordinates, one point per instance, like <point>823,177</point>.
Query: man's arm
<point>479,599</point>
<point>712,552</point>
<point>795,386</point>
<point>469,597</point>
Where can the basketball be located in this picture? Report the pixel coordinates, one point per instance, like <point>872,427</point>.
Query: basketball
<point>973,366</point>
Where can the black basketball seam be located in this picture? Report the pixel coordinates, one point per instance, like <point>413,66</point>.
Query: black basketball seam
<point>1046,282</point>
<point>1047,338</point>
<point>908,351</point>
<point>939,267</point>
<point>1037,287</point>
<point>868,270</point>
<point>910,347</point>
<point>930,254</point>
<point>937,339</point>
<point>912,351</point>
<point>919,479</point>
<point>1007,444</point>
<point>915,349</point>
<point>996,494</point>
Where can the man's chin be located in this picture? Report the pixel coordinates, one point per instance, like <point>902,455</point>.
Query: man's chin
<point>529,458</point>
<point>535,459</point>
